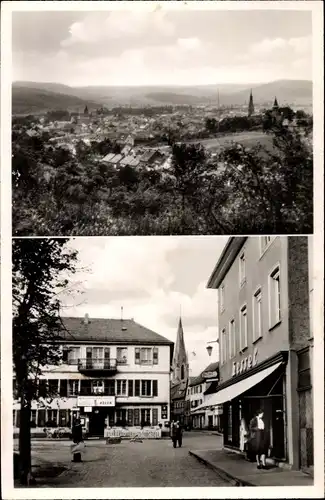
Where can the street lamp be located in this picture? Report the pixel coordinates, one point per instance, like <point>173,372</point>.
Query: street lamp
<point>209,347</point>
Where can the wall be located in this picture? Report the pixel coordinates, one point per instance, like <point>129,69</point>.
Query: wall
<point>258,268</point>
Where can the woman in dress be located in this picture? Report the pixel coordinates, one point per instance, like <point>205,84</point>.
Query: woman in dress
<point>259,439</point>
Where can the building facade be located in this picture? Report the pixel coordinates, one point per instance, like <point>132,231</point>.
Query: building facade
<point>264,340</point>
<point>113,373</point>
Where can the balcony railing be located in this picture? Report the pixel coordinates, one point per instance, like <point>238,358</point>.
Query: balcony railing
<point>97,364</point>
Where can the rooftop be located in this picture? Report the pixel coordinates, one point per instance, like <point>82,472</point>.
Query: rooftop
<point>113,331</point>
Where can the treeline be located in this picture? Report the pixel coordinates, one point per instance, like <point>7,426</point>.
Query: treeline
<point>239,191</point>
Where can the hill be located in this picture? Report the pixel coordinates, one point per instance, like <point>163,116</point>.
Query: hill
<point>33,100</point>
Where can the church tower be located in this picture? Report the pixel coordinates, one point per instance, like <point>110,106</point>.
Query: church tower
<point>275,105</point>
<point>251,105</point>
<point>180,362</point>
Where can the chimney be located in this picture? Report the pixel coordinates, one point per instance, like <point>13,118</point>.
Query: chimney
<point>86,319</point>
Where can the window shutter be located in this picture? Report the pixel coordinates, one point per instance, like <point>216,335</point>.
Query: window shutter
<point>130,387</point>
<point>88,352</point>
<point>106,353</point>
<point>155,355</point>
<point>130,417</point>
<point>155,416</point>
<point>65,355</point>
<point>155,387</point>
<point>137,356</point>
<point>137,387</point>
<point>136,416</point>
<point>63,388</point>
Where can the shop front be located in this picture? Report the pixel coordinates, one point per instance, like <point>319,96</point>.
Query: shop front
<point>96,413</point>
<point>261,387</point>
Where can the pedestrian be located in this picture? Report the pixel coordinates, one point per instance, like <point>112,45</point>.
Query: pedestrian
<point>259,439</point>
<point>176,434</point>
<point>77,439</point>
<point>179,434</point>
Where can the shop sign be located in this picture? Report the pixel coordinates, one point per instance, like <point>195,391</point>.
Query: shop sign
<point>245,364</point>
<point>133,432</point>
<point>210,374</point>
<point>164,412</point>
<point>88,409</point>
<point>106,401</point>
<point>86,401</point>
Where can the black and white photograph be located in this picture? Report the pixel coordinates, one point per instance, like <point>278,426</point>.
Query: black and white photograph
<point>121,378</point>
<point>162,249</point>
<point>162,122</point>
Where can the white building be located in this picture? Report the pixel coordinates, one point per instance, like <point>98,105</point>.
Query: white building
<point>113,373</point>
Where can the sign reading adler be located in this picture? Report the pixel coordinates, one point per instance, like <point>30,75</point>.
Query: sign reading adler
<point>245,364</point>
<point>99,401</point>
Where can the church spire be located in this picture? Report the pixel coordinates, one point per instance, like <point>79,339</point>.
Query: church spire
<point>251,105</point>
<point>275,105</point>
<point>180,361</point>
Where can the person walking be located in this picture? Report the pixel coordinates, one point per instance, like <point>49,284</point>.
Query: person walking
<point>176,434</point>
<point>259,439</point>
<point>77,439</point>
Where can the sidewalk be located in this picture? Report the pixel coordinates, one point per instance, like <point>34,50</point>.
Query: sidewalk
<point>238,471</point>
<point>43,469</point>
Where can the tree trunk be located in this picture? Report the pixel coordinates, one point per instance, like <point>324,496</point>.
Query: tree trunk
<point>25,443</point>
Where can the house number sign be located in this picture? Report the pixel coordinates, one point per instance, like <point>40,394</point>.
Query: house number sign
<point>245,364</point>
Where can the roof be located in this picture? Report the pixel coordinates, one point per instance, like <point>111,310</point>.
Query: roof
<point>108,157</point>
<point>178,391</point>
<point>148,155</point>
<point>225,261</point>
<point>201,378</point>
<point>113,331</point>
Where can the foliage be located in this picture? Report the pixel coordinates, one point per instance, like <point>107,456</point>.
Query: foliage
<point>40,269</point>
<point>240,190</point>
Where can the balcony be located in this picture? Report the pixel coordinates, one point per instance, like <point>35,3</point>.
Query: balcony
<point>97,365</point>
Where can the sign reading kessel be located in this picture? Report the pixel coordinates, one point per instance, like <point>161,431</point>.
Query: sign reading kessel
<point>100,401</point>
<point>245,364</point>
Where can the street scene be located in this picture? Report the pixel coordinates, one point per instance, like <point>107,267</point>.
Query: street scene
<point>151,463</point>
<point>111,402</point>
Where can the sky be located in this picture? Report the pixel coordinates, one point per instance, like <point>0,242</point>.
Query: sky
<point>155,280</point>
<point>161,47</point>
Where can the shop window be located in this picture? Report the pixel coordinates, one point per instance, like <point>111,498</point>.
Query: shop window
<point>243,328</point>
<point>122,355</point>
<point>275,297</point>
<point>130,417</point>
<point>63,419</point>
<point>242,269</point>
<point>121,417</point>
<point>33,417</point>
<point>85,387</point>
<point>41,418</point>
<point>121,387</point>
<point>304,375</point>
<point>257,315</point>
<point>52,418</point>
<point>222,298</point>
<point>232,339</point>
<point>155,416</point>
<point>229,424</point>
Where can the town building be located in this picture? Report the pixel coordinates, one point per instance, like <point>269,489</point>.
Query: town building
<point>179,379</point>
<point>206,417</point>
<point>265,341</point>
<point>114,372</point>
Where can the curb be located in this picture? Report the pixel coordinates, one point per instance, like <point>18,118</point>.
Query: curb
<point>235,481</point>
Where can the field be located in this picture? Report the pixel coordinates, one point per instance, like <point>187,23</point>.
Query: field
<point>248,139</point>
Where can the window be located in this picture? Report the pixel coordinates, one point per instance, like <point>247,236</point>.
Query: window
<point>155,356</point>
<point>53,387</point>
<point>98,387</point>
<point>63,388</point>
<point>232,338</point>
<point>265,242</point>
<point>63,418</point>
<point>52,417</point>
<point>257,315</point>
<point>137,387</point>
<point>73,387</point>
<point>122,355</point>
<point>200,390</point>
<point>146,388</point>
<point>304,378</point>
<point>222,298</point>
<point>155,416</point>
<point>130,388</point>
<point>109,385</point>
<point>130,417</point>
<point>98,357</point>
<point>224,345</point>
<point>182,372</point>
<point>243,328</point>
<point>242,269</point>
<point>33,415</point>
<point>121,387</point>
<point>155,387</point>
<point>136,416</point>
<point>275,298</point>
<point>145,356</point>
<point>73,355</point>
<point>145,416</point>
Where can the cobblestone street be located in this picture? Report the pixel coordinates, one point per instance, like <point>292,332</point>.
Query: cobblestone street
<point>152,463</point>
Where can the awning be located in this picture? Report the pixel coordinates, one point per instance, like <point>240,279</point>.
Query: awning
<point>234,390</point>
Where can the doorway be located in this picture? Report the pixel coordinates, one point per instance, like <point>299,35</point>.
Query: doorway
<point>97,422</point>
